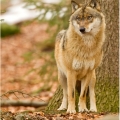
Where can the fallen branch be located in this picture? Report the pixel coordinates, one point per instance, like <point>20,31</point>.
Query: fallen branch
<point>22,103</point>
<point>20,92</point>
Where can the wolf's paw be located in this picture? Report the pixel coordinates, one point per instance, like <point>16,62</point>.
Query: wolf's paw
<point>71,111</point>
<point>71,108</point>
<point>62,107</point>
<point>93,110</point>
<point>83,110</point>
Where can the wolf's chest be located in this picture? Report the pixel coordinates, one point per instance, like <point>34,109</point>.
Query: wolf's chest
<point>79,64</point>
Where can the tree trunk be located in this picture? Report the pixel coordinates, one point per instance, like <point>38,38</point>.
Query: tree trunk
<point>107,86</point>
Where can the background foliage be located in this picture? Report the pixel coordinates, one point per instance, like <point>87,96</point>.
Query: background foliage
<point>59,20</point>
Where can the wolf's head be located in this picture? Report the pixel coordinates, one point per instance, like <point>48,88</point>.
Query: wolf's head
<point>87,18</point>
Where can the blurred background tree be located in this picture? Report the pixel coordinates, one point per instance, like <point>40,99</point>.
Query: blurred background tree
<point>59,17</point>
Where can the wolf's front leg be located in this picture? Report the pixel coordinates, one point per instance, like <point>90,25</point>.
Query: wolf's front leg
<point>71,82</point>
<point>84,86</point>
<point>93,107</point>
<point>82,99</point>
<point>63,81</point>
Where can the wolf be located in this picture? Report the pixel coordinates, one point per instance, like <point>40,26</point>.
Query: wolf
<point>78,52</point>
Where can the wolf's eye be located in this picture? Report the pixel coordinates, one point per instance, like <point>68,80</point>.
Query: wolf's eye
<point>78,17</point>
<point>89,17</point>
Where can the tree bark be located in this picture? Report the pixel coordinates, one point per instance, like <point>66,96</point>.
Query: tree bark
<point>107,86</point>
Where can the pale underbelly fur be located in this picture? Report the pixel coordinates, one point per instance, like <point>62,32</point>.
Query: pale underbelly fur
<point>81,67</point>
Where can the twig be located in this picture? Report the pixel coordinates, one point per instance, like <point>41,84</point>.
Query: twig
<point>23,94</point>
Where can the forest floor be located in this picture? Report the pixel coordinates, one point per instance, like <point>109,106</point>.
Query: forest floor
<point>42,116</point>
<point>21,63</point>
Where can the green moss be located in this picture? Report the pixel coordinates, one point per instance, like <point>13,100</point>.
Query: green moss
<point>107,96</point>
<point>7,30</point>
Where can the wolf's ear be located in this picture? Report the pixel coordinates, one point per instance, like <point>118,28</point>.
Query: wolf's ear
<point>95,4</point>
<point>74,5</point>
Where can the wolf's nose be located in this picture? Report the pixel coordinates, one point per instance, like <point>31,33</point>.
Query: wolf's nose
<point>82,29</point>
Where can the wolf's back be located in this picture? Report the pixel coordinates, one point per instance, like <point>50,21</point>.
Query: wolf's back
<point>61,34</point>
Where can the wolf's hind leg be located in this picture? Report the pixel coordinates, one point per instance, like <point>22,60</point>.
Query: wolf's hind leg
<point>63,81</point>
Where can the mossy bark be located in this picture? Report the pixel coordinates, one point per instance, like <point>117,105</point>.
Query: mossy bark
<point>107,86</point>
